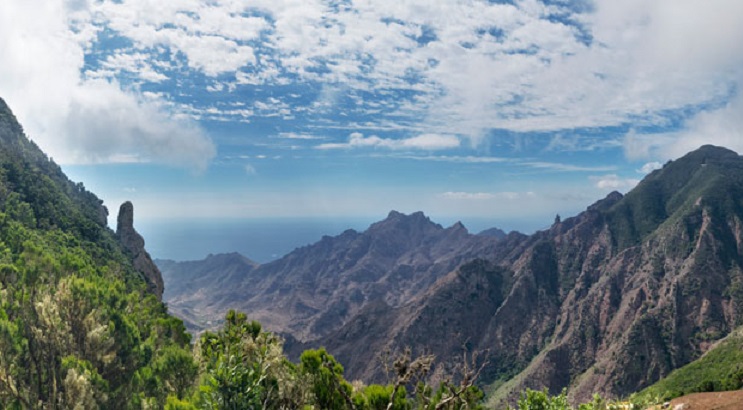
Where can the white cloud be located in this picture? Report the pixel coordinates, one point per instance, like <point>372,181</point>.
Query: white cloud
<point>555,166</point>
<point>429,142</point>
<point>212,35</point>
<point>722,126</point>
<point>614,182</point>
<point>479,196</point>
<point>78,120</point>
<point>450,68</point>
<point>298,136</point>
<point>484,65</point>
<point>650,167</point>
<point>460,159</point>
<point>136,63</point>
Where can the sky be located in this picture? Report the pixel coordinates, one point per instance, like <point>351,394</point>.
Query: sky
<point>510,111</point>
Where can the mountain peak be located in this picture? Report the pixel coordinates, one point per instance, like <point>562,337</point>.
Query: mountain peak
<point>607,202</point>
<point>494,233</point>
<point>417,218</point>
<point>713,151</point>
<point>704,155</point>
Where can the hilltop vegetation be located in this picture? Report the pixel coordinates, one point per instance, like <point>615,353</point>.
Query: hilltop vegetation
<point>78,328</point>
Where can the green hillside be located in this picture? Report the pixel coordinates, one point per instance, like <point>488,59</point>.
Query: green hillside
<point>77,327</point>
<point>711,174</point>
<point>720,369</point>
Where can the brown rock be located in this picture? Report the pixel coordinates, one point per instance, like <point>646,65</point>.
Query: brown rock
<point>133,243</point>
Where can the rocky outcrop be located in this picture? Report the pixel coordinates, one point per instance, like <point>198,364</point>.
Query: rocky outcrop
<point>608,301</point>
<point>133,244</point>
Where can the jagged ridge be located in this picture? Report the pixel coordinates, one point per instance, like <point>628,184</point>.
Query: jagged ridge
<point>607,301</point>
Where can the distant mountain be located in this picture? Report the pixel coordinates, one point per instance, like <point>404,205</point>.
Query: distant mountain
<point>317,288</point>
<point>189,283</point>
<point>494,232</point>
<point>608,301</point>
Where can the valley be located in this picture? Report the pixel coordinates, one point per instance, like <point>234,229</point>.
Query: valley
<point>609,301</point>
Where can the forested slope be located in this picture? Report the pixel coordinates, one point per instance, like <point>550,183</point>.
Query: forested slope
<point>78,328</point>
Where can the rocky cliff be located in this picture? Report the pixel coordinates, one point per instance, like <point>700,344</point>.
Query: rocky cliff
<point>607,301</point>
<point>133,244</point>
<point>315,289</point>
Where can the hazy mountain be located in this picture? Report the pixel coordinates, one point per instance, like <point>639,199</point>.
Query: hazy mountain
<point>315,289</point>
<point>494,232</point>
<point>189,283</point>
<point>610,300</point>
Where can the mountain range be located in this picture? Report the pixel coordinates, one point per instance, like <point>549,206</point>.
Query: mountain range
<point>608,301</point>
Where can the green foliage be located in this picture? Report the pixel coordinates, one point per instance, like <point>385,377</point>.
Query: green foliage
<point>720,369</point>
<point>174,403</point>
<point>541,400</point>
<point>377,397</point>
<point>242,367</point>
<point>234,365</point>
<point>77,328</point>
<point>330,390</point>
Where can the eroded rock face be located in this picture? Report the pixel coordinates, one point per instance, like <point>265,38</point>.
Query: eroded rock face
<point>134,245</point>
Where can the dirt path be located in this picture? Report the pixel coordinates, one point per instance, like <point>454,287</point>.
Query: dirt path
<point>729,400</point>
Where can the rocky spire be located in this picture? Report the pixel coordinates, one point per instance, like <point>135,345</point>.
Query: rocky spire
<point>133,243</point>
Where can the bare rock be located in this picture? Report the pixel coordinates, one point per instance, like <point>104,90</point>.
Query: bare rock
<point>133,243</point>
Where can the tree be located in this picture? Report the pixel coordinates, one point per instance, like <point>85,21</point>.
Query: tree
<point>330,390</point>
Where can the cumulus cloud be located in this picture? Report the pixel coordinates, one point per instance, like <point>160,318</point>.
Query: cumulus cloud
<point>614,182</point>
<point>212,36</point>
<point>429,142</point>
<point>696,47</point>
<point>77,119</point>
<point>650,167</point>
<point>523,65</point>
<point>722,126</point>
<point>451,68</point>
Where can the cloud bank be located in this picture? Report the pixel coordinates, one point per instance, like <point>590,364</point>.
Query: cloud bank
<point>669,70</point>
<point>77,119</point>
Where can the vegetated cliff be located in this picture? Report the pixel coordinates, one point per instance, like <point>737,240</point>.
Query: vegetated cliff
<point>607,301</point>
<point>647,281</point>
<point>719,369</point>
<point>78,327</point>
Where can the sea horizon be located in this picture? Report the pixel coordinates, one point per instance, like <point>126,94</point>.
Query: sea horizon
<point>267,239</point>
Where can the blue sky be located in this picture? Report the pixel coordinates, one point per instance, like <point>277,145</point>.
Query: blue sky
<point>502,110</point>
